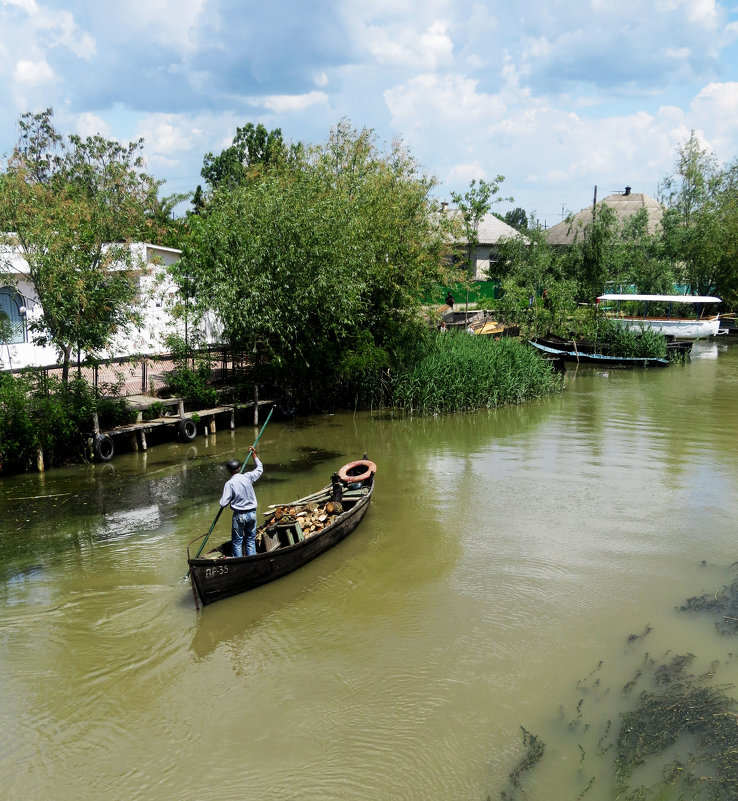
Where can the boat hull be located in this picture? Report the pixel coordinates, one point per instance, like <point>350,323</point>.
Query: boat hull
<point>215,579</point>
<point>681,329</point>
<point>601,359</point>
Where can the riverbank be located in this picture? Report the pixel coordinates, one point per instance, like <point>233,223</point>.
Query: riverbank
<point>43,423</point>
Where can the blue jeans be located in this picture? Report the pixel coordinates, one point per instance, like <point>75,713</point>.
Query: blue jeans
<point>244,525</point>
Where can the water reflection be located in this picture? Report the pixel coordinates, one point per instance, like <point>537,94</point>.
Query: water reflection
<point>495,583</point>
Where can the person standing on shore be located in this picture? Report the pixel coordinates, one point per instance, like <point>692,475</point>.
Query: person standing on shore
<point>239,493</point>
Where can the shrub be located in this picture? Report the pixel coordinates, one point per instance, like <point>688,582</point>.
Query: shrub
<point>461,372</point>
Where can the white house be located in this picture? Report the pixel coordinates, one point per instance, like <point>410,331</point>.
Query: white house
<point>491,231</point>
<point>158,294</point>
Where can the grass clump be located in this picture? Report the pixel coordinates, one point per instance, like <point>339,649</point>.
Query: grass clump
<point>722,605</point>
<point>461,372</point>
<point>619,340</point>
<point>680,708</point>
<point>533,748</point>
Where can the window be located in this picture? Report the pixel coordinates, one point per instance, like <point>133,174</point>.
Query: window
<point>10,305</point>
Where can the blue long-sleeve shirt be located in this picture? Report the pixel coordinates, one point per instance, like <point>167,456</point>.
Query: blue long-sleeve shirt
<point>239,489</point>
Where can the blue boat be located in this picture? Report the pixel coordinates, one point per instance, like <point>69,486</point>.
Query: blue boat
<point>600,358</point>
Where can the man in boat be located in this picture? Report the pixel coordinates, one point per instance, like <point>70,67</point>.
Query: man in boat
<point>239,493</point>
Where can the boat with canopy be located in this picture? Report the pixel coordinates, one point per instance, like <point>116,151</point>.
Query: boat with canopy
<point>680,327</point>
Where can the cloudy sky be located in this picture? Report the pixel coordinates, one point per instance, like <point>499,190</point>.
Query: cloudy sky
<point>559,96</point>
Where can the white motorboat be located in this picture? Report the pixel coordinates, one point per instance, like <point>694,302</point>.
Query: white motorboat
<point>696,327</point>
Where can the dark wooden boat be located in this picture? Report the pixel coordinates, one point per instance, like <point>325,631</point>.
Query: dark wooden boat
<point>600,358</point>
<point>674,347</point>
<point>284,541</point>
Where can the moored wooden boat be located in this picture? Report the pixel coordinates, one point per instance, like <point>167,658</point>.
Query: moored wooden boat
<point>600,358</point>
<point>674,346</point>
<point>284,541</point>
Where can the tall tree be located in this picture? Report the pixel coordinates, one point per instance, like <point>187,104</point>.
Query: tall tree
<point>74,205</point>
<point>253,147</point>
<point>471,207</point>
<point>694,230</point>
<point>318,268</point>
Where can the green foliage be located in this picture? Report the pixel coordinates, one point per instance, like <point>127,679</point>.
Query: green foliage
<point>460,372</point>
<point>517,218</point>
<point>316,270</point>
<point>155,410</point>
<point>17,427</point>
<point>191,376</point>
<point>618,340</point>
<point>472,207</point>
<point>40,412</point>
<point>701,222</point>
<point>65,201</point>
<point>253,148</point>
<point>192,384</point>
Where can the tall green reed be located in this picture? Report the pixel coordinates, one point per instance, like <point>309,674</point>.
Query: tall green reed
<point>461,372</point>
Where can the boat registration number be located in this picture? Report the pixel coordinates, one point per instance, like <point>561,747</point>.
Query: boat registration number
<point>218,570</point>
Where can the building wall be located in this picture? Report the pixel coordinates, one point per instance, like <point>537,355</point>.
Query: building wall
<point>159,295</point>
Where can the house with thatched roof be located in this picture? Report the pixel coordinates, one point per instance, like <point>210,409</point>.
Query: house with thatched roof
<point>491,231</point>
<point>624,205</point>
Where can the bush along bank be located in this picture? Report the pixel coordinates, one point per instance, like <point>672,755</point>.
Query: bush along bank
<point>45,422</point>
<point>461,372</point>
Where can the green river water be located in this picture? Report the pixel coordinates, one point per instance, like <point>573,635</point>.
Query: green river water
<point>506,560</point>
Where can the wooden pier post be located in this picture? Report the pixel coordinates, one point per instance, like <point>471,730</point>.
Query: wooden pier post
<point>256,404</point>
<point>233,418</point>
<point>134,442</point>
<point>142,435</point>
<point>39,459</point>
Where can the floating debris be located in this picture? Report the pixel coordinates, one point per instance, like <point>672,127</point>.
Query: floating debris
<point>722,605</point>
<point>534,748</point>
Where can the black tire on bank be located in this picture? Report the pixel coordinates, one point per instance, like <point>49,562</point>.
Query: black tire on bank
<point>187,430</point>
<point>103,448</point>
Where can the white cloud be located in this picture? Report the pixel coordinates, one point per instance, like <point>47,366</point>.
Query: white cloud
<point>407,47</point>
<point>89,124</point>
<point>174,23</point>
<point>431,101</point>
<point>462,174</point>
<point>280,104</point>
<point>33,73</point>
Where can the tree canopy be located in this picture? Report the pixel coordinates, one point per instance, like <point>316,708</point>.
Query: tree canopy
<point>318,268</point>
<point>73,205</point>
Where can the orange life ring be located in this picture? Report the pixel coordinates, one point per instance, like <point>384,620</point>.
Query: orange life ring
<point>370,469</point>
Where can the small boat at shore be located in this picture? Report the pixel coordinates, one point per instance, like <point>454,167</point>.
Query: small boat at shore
<point>679,327</point>
<point>601,359</point>
<point>674,347</point>
<point>292,534</point>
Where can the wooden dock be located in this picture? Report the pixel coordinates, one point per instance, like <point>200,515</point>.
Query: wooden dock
<point>186,426</point>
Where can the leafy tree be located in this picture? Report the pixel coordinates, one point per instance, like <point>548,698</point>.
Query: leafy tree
<point>589,260</point>
<point>74,205</point>
<point>536,293</point>
<point>517,218</point>
<point>253,147</point>
<point>638,258</point>
<point>701,222</point>
<point>316,270</point>
<point>472,207</point>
